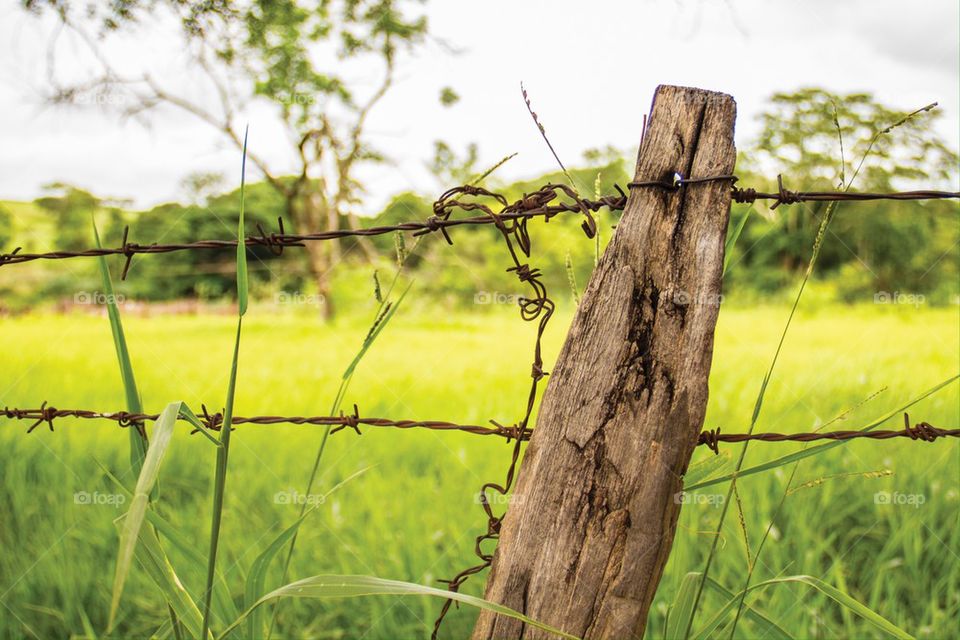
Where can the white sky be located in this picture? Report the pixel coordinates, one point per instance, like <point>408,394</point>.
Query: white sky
<point>564,50</point>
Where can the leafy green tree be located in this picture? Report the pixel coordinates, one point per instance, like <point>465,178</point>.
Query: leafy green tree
<point>819,140</point>
<point>822,137</point>
<point>72,209</point>
<point>288,54</point>
<point>209,273</point>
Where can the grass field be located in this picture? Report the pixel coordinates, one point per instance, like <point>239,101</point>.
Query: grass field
<point>413,515</point>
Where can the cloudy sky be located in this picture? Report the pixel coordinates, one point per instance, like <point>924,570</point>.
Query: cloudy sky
<point>590,67</point>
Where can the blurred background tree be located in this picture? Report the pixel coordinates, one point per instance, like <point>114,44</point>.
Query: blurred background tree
<point>266,50</point>
<point>818,141</point>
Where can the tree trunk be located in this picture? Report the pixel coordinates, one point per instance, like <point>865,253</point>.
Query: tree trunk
<point>593,515</point>
<point>310,215</point>
<point>318,254</point>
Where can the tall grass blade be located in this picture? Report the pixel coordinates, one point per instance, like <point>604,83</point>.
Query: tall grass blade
<point>187,414</point>
<point>226,608</point>
<point>258,575</point>
<point>703,469</point>
<point>818,482</point>
<point>130,532</point>
<point>476,180</point>
<point>220,482</point>
<point>732,240</point>
<point>572,280</point>
<point>767,628</point>
<point>682,609</point>
<point>258,571</point>
<point>842,598</point>
<point>154,562</point>
<point>138,442</point>
<point>243,280</point>
<point>223,452</point>
<point>380,323</point>
<point>347,586</point>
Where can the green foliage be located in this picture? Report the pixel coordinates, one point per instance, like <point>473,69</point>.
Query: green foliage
<point>800,139</point>
<point>449,97</point>
<point>207,274</point>
<point>274,43</point>
<point>71,209</point>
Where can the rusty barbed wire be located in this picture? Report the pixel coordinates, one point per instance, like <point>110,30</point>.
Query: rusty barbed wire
<point>710,438</point>
<point>787,197</point>
<point>213,421</point>
<point>530,206</point>
<point>542,203</point>
<point>539,306</point>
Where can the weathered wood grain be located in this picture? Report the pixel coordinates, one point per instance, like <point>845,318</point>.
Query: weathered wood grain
<point>592,520</point>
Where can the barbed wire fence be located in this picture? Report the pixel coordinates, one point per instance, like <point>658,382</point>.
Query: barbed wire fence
<point>510,219</point>
<point>711,438</point>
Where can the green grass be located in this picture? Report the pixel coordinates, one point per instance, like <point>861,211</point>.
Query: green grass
<point>412,516</point>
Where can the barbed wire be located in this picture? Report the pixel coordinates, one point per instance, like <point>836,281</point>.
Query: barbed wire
<point>710,438</point>
<point>539,307</point>
<point>785,196</point>
<point>213,421</point>
<point>540,203</point>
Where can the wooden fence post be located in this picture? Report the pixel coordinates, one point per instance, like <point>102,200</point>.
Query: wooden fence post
<point>593,515</point>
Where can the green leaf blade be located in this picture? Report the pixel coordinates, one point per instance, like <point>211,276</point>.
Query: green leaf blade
<point>243,280</point>
<point>350,586</point>
<point>138,443</point>
<point>133,521</point>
